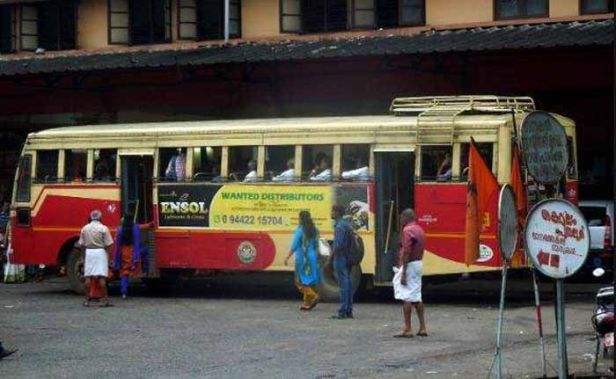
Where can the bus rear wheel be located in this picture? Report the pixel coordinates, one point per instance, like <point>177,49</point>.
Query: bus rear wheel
<point>74,272</point>
<point>329,290</point>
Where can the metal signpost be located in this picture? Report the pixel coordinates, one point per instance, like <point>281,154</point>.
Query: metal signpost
<point>556,233</point>
<point>507,243</point>
<point>557,241</point>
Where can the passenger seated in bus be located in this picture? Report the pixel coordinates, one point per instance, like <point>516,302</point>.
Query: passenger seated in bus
<point>444,172</point>
<point>176,169</point>
<point>288,175</point>
<point>252,172</point>
<point>102,171</point>
<point>324,171</point>
<point>76,172</point>
<point>359,174</point>
<point>216,178</point>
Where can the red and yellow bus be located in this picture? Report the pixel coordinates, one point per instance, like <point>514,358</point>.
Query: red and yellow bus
<point>206,218</point>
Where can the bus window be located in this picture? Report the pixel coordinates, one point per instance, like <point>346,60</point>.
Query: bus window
<point>172,166</point>
<point>243,163</point>
<point>485,150</point>
<point>75,164</point>
<point>436,163</point>
<point>105,165</point>
<point>23,181</point>
<point>280,163</point>
<point>47,166</point>
<point>355,161</point>
<point>317,159</point>
<point>206,164</point>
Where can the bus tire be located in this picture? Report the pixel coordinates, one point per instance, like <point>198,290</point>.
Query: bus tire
<point>74,272</point>
<point>328,289</point>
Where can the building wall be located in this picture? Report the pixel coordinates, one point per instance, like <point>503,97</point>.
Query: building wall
<point>564,8</point>
<point>92,24</point>
<point>260,18</point>
<point>447,12</point>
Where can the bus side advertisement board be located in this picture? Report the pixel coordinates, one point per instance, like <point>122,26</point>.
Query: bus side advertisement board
<point>258,207</point>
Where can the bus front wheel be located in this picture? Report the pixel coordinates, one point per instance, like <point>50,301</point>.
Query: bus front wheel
<point>74,272</point>
<point>329,290</point>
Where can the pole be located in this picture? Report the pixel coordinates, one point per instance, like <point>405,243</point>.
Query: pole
<point>391,214</point>
<point>563,368</point>
<point>539,322</point>
<point>499,328</point>
<point>226,21</point>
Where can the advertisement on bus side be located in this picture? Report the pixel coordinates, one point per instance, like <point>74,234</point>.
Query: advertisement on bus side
<point>258,207</point>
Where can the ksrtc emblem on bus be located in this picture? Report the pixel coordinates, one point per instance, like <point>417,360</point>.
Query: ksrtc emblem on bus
<point>246,252</point>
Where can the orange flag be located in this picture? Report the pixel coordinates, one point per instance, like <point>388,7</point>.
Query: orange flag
<point>520,199</point>
<point>481,185</point>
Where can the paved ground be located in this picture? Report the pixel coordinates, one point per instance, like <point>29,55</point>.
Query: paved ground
<point>219,330</point>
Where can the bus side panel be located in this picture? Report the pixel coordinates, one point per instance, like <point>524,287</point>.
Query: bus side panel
<point>211,249</point>
<point>57,216</point>
<point>441,211</point>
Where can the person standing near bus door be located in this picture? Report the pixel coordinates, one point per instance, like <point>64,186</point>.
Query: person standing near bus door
<point>324,171</point>
<point>304,247</point>
<point>339,256</point>
<point>288,175</point>
<point>407,278</point>
<point>127,257</point>
<point>95,242</point>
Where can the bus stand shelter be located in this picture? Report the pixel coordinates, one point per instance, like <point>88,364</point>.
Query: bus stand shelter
<point>566,67</point>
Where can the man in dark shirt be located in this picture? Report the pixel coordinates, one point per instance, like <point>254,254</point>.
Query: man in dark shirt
<point>340,253</point>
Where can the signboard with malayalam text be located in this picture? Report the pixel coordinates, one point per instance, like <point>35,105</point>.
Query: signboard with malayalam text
<point>544,147</point>
<point>556,238</point>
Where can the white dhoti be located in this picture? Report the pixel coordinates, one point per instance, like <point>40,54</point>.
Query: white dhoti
<point>411,292</point>
<point>96,263</point>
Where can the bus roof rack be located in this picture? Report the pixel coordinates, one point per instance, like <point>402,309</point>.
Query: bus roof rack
<point>458,104</point>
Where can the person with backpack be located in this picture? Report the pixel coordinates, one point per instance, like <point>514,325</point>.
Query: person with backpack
<point>340,257</point>
<point>408,271</point>
<point>305,246</point>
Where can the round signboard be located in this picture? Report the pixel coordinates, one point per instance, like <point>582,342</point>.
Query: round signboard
<point>556,238</point>
<point>544,147</point>
<point>507,222</point>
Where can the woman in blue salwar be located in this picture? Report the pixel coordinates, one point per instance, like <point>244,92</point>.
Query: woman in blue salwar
<point>305,247</point>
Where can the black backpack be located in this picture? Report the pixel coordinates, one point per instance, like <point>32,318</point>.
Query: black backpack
<point>356,250</point>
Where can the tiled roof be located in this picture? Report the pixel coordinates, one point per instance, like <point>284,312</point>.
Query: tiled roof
<point>564,34</point>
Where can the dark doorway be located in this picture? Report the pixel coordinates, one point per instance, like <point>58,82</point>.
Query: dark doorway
<point>137,187</point>
<point>394,193</point>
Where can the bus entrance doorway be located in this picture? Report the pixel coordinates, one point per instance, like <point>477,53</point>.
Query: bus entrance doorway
<point>394,192</point>
<point>137,187</point>
<point>136,196</point>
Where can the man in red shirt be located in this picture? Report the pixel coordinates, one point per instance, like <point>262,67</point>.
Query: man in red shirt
<point>407,278</point>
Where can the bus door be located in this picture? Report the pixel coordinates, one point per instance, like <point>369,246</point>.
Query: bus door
<point>136,184</point>
<point>394,184</point>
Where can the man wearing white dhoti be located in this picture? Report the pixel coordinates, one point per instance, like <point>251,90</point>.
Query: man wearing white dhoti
<point>407,278</point>
<point>95,242</point>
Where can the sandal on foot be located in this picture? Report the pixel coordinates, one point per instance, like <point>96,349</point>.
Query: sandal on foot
<point>422,334</point>
<point>404,335</point>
